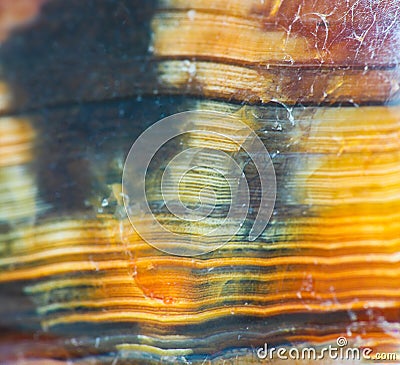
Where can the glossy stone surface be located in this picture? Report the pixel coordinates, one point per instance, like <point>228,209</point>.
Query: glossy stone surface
<point>319,84</point>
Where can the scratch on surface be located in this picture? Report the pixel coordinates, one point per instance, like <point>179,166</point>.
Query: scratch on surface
<point>289,29</point>
<point>289,111</point>
<point>115,361</point>
<point>275,7</point>
<point>361,38</point>
<point>323,18</point>
<point>335,87</point>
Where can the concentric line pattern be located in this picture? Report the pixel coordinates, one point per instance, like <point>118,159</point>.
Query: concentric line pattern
<point>327,264</point>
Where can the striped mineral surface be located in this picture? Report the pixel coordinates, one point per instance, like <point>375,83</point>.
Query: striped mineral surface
<point>318,82</point>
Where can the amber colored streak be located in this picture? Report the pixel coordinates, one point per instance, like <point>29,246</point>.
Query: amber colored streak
<point>14,13</point>
<point>77,262</point>
<point>145,292</point>
<point>372,131</point>
<point>231,7</point>
<point>72,240</point>
<point>288,10</point>
<point>117,315</point>
<point>339,31</point>
<point>361,167</point>
<point>344,256</point>
<point>348,181</point>
<point>190,295</point>
<point>185,294</point>
<point>16,141</point>
<point>58,240</point>
<point>151,287</point>
<point>226,37</point>
<point>18,190</point>
<point>66,233</point>
<point>179,289</point>
<point>325,230</point>
<point>291,85</point>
